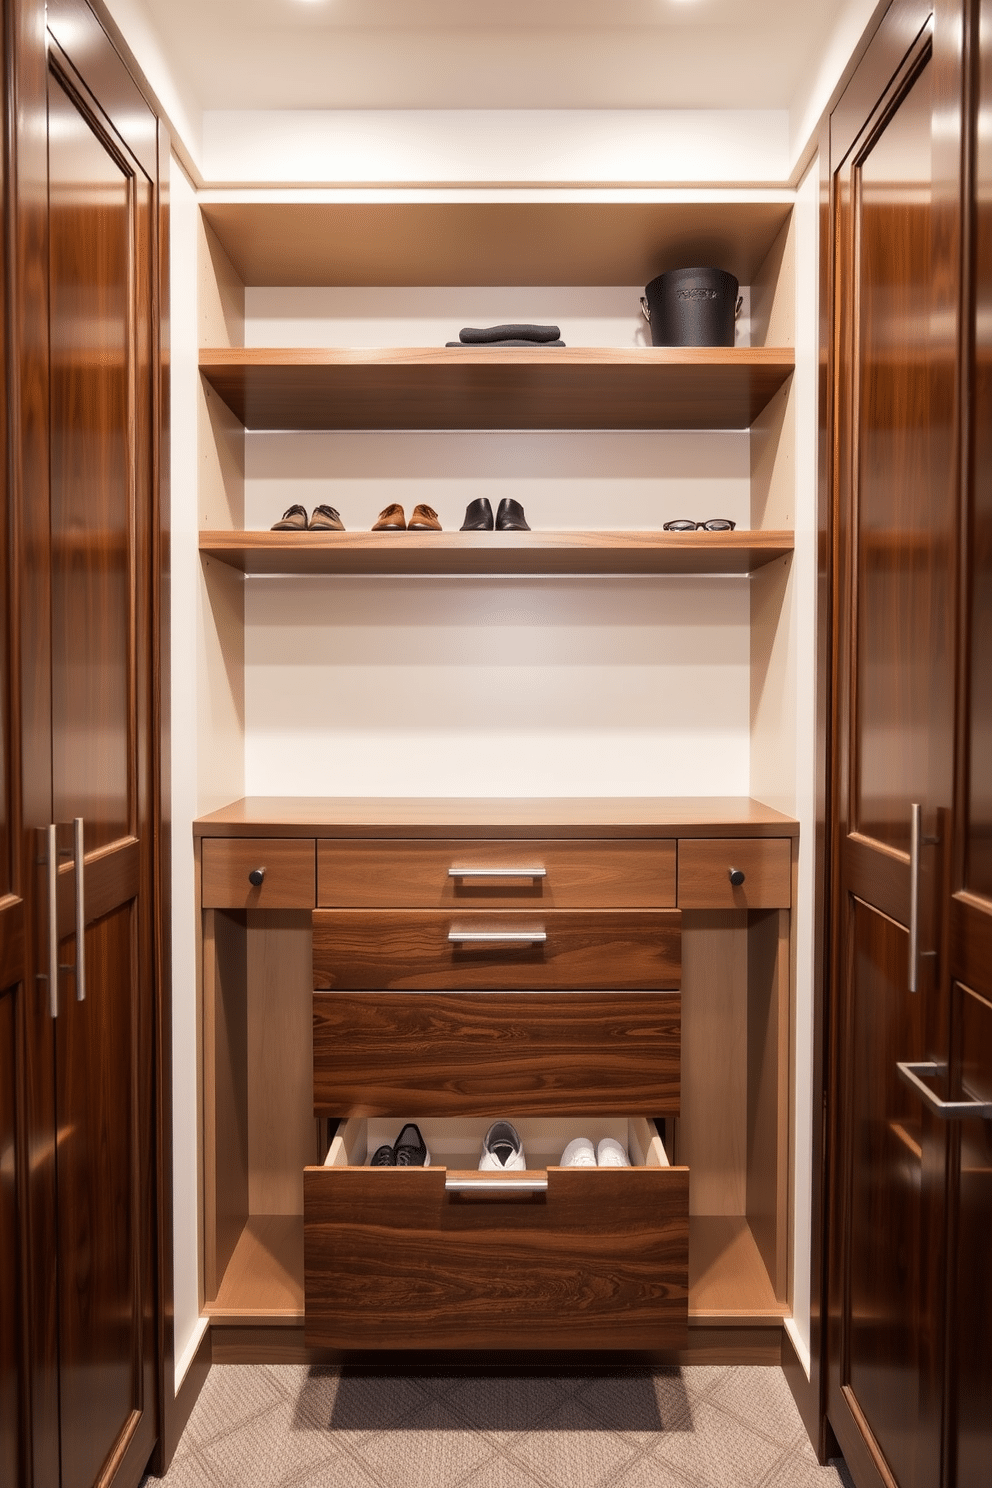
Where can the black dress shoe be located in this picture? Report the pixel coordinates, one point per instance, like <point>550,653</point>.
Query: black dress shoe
<point>478,516</point>
<point>510,516</point>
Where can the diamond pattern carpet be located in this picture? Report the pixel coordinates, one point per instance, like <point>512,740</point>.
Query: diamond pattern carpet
<point>285,1426</point>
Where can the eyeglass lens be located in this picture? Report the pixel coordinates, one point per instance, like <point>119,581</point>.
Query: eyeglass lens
<point>715,524</point>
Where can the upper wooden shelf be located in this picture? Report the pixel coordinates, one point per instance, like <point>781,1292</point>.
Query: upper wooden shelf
<point>514,388</point>
<point>496,552</point>
<point>611,239</point>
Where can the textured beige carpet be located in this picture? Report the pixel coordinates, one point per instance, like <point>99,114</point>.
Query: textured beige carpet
<point>290,1427</point>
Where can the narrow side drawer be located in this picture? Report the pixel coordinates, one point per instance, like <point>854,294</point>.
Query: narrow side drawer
<point>287,866</point>
<point>705,866</point>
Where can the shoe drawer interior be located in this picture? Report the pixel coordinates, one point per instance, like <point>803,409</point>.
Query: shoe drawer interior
<point>456,1142</point>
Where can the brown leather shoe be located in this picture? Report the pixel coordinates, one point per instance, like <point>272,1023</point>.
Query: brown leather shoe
<point>424,519</point>
<point>391,519</point>
<point>293,519</point>
<point>326,519</point>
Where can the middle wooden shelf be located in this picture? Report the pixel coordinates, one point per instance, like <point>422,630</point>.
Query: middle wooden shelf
<point>496,552</point>
<point>641,387</point>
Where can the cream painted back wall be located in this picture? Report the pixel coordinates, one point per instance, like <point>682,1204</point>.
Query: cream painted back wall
<point>500,686</point>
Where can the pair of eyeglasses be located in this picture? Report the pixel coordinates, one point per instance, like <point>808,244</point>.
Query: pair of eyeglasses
<point>715,524</point>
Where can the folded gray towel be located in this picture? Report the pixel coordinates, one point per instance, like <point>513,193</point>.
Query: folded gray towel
<point>508,333</point>
<point>488,345</point>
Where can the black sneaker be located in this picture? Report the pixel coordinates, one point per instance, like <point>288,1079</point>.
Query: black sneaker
<point>410,1150</point>
<point>382,1157</point>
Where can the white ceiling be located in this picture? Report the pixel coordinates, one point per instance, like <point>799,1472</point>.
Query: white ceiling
<point>520,54</point>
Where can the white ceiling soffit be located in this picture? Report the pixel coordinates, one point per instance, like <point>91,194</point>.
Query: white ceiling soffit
<point>231,57</point>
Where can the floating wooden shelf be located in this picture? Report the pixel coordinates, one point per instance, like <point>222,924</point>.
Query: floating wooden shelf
<point>320,240</point>
<point>496,552</point>
<point>514,388</point>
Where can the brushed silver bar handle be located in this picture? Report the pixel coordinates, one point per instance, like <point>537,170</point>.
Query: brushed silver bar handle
<point>946,1110</point>
<point>915,842</point>
<point>492,937</point>
<point>503,1186</point>
<point>79,856</point>
<point>53,920</point>
<point>497,872</point>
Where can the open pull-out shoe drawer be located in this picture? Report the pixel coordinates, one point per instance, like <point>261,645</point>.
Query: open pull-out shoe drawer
<point>447,1256</point>
<point>464,1053</point>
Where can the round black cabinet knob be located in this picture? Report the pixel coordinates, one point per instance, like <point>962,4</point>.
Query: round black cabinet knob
<point>736,877</point>
<point>256,876</point>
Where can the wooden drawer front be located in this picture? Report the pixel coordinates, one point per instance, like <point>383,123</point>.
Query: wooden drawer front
<point>411,950</point>
<point>573,875</point>
<point>705,868</point>
<point>288,864</point>
<point>384,1053</point>
<point>394,1258</point>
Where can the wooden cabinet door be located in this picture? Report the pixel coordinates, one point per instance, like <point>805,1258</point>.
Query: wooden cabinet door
<point>895,328</point>
<point>970,1426</point>
<point>101,262</point>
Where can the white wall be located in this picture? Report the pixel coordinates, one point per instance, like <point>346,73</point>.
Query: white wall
<point>805,566</point>
<point>185,804</point>
<point>505,146</point>
<point>501,686</point>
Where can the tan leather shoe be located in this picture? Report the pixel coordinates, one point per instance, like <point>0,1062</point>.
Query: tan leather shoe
<point>326,519</point>
<point>391,519</point>
<point>424,519</point>
<point>293,519</point>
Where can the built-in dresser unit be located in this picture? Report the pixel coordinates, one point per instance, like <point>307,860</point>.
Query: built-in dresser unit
<point>605,966</point>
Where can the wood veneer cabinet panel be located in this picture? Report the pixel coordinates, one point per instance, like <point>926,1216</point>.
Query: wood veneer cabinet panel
<point>705,869</point>
<point>576,875</point>
<point>287,866</point>
<point>584,951</point>
<point>465,1053</point>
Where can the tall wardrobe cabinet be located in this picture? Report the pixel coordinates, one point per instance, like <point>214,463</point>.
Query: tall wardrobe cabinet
<point>79,1013</point>
<point>910,1083</point>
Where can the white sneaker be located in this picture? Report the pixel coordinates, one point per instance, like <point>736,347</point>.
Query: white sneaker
<point>611,1154</point>
<point>579,1153</point>
<point>502,1149</point>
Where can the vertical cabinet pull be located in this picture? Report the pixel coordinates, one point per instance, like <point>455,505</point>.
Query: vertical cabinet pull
<point>79,854</point>
<point>53,920</point>
<point>915,840</point>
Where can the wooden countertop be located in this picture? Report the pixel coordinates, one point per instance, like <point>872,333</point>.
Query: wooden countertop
<point>533,817</point>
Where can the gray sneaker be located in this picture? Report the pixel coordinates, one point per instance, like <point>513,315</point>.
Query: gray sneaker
<point>502,1150</point>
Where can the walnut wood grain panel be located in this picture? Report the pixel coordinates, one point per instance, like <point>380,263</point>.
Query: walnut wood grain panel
<point>514,388</point>
<point>288,866</point>
<point>393,1261</point>
<point>621,950</point>
<point>527,1053</point>
<point>578,875</point>
<point>526,818</point>
<point>225,1092</point>
<point>769,1031</point>
<point>631,552</point>
<point>705,867</point>
<point>282,1134</point>
<point>713,1124</point>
